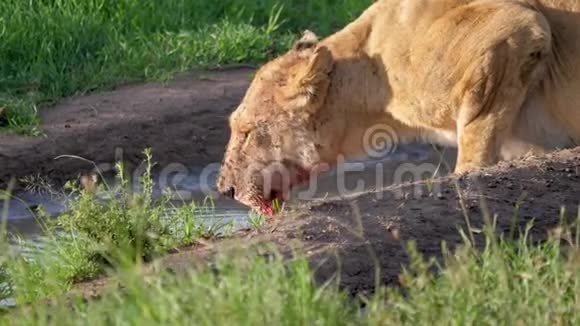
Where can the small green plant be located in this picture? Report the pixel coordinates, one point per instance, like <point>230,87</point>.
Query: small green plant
<point>5,287</point>
<point>19,115</point>
<point>429,183</point>
<point>217,229</point>
<point>130,220</point>
<point>36,271</point>
<point>277,206</point>
<point>257,221</point>
<point>94,235</point>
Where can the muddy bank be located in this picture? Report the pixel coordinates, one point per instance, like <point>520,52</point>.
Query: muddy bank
<point>346,237</point>
<point>183,121</point>
<point>539,187</point>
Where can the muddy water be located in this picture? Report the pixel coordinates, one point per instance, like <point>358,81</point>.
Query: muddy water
<point>408,163</point>
<point>22,219</point>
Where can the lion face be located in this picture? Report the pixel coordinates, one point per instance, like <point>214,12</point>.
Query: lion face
<point>274,144</point>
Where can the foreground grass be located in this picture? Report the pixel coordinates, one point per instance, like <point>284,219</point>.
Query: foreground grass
<point>509,283</point>
<point>52,49</point>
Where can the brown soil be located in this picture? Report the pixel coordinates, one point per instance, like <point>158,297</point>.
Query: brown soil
<point>183,121</point>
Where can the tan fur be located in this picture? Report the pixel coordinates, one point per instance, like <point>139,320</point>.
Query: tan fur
<point>498,78</point>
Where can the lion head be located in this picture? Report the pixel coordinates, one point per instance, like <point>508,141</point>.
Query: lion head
<point>274,143</point>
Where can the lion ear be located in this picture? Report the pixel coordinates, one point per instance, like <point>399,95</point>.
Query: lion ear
<point>309,85</point>
<point>307,41</point>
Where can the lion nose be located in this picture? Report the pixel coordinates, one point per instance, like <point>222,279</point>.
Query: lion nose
<point>231,192</point>
<point>225,184</point>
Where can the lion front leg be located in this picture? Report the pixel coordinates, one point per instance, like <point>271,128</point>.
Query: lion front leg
<point>493,92</point>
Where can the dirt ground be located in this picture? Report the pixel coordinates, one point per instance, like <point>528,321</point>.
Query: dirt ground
<point>185,121</point>
<point>348,238</point>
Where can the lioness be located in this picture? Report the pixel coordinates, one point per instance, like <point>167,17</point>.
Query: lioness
<point>496,78</point>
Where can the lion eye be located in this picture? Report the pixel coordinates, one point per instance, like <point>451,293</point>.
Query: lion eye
<point>246,134</point>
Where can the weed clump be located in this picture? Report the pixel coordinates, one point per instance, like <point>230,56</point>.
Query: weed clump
<point>93,235</point>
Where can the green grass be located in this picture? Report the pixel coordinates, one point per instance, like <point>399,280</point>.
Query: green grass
<point>240,292</point>
<point>508,283</point>
<point>55,48</point>
<point>95,236</point>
